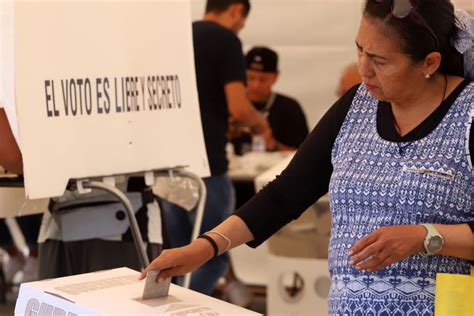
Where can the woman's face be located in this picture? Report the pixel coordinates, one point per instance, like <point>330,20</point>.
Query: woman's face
<point>388,74</point>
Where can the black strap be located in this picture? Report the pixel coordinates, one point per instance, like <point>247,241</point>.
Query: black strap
<point>147,196</point>
<point>213,244</point>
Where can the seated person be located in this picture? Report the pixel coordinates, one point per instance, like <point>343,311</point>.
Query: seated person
<point>284,114</point>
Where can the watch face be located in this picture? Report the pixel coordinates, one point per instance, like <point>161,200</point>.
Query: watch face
<point>435,243</point>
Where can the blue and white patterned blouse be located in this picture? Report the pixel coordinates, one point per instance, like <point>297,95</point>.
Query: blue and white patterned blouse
<point>378,183</point>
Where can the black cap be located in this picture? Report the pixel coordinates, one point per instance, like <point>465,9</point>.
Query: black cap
<point>262,59</point>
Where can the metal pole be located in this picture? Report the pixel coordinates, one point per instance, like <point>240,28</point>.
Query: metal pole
<point>137,237</point>
<point>199,213</point>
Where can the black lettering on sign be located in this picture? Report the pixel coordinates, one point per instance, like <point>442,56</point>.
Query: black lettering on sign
<point>50,99</point>
<point>118,109</point>
<point>125,94</point>
<point>98,88</point>
<point>107,97</point>
<point>88,96</point>
<point>162,101</point>
<point>136,93</point>
<point>64,86</point>
<point>177,91</point>
<point>73,102</point>
<point>132,94</point>
<point>151,90</point>
<point>79,83</point>
<point>142,88</point>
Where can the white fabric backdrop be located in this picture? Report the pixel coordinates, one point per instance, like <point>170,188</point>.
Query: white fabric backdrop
<point>315,41</point>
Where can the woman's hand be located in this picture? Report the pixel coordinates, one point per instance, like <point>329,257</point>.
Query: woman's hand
<point>386,246</point>
<point>179,261</point>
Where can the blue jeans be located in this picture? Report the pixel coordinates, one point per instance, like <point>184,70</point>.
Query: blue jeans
<point>220,203</point>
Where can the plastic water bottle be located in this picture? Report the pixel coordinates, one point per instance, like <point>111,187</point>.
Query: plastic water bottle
<point>258,143</point>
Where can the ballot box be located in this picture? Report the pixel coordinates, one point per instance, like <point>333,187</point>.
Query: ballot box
<point>113,292</point>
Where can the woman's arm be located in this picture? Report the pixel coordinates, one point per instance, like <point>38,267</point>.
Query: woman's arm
<point>185,259</point>
<point>304,180</point>
<point>10,156</point>
<point>390,244</point>
<point>458,241</point>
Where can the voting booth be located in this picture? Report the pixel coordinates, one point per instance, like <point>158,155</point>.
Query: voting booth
<point>110,89</point>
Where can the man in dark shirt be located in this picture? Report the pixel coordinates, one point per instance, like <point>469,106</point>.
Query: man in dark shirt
<point>220,74</point>
<point>284,114</point>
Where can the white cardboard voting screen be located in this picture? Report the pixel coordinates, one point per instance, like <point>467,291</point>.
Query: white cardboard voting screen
<point>113,292</point>
<point>100,88</point>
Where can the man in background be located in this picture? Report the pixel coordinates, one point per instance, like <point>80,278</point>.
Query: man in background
<point>284,114</point>
<point>221,78</point>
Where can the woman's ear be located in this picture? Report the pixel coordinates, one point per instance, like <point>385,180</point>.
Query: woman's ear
<point>432,63</point>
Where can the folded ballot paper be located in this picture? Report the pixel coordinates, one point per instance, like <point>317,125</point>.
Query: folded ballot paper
<point>115,292</point>
<point>154,289</point>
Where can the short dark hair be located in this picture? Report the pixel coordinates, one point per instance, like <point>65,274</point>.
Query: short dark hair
<point>415,39</point>
<point>222,5</point>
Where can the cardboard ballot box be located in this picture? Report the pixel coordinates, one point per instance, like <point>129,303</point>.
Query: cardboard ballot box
<point>113,292</point>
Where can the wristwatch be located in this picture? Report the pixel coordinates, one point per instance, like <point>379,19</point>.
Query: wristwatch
<point>433,241</point>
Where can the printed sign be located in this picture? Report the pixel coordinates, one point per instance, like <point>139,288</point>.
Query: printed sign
<point>100,88</point>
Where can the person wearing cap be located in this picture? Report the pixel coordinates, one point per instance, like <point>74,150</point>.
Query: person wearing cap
<point>220,74</point>
<point>285,116</point>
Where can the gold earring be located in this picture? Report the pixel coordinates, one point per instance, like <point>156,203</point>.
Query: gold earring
<point>427,76</point>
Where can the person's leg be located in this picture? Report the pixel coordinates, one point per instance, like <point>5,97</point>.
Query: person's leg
<point>178,228</point>
<point>54,260</point>
<point>30,226</point>
<point>5,237</point>
<point>219,204</point>
<point>11,260</point>
<point>178,224</point>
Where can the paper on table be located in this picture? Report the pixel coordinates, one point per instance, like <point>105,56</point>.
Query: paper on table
<point>454,294</point>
